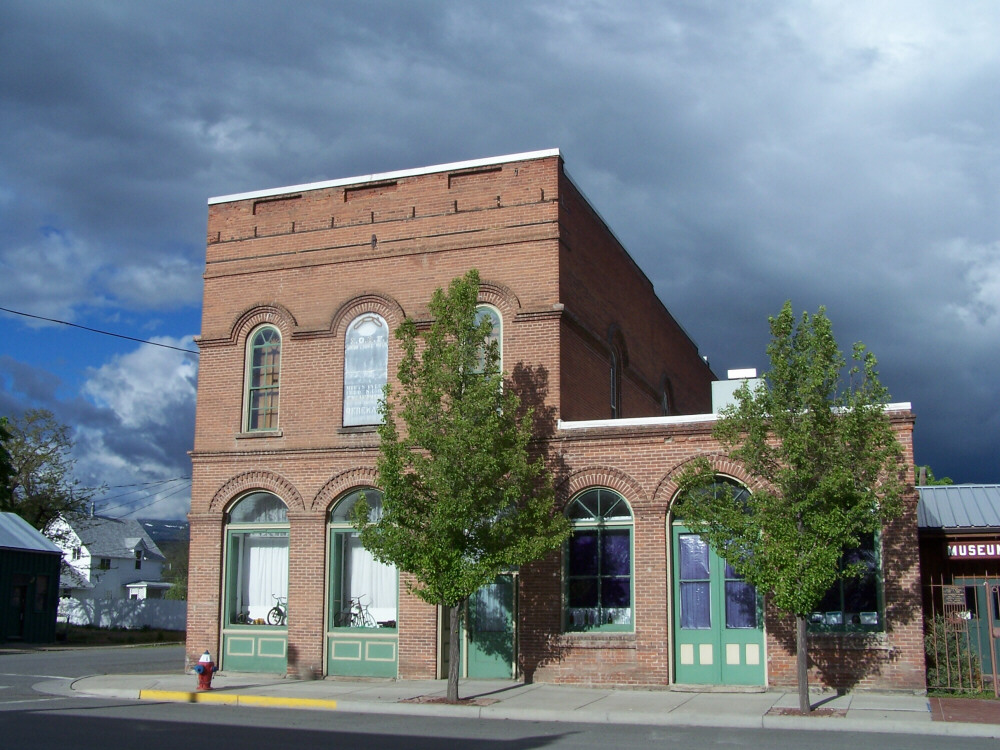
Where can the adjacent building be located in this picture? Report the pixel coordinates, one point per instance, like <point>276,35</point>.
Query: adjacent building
<point>304,287</point>
<point>29,580</point>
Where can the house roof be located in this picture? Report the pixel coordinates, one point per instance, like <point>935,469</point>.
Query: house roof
<point>16,533</point>
<point>71,578</point>
<point>112,537</point>
<point>959,507</point>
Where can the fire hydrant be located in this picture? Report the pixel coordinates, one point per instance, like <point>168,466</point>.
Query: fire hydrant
<point>205,668</point>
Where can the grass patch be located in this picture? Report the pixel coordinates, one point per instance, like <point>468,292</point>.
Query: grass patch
<point>84,635</point>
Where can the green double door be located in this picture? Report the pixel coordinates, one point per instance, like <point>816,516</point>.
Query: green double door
<point>718,622</point>
<point>488,639</point>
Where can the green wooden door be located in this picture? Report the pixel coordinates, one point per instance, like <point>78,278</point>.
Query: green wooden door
<point>489,636</point>
<point>983,599</point>
<point>718,631</point>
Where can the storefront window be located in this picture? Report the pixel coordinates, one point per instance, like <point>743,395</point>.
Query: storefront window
<point>599,562</point>
<point>363,590</point>
<point>853,603</point>
<point>257,561</point>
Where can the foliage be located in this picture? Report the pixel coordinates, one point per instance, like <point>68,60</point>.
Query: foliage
<point>827,462</point>
<point>176,568</point>
<point>464,498</point>
<point>926,477</point>
<point>40,485</point>
<point>952,663</point>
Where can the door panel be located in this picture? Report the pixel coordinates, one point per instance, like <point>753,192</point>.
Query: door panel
<point>718,632</point>
<point>489,636</point>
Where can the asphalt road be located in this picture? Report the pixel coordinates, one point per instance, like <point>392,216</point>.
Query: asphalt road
<point>21,670</point>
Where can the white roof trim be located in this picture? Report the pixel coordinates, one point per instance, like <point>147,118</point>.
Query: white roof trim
<point>682,419</point>
<point>471,164</point>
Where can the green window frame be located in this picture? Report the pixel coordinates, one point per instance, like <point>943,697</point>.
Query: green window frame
<point>256,559</point>
<point>496,334</point>
<point>355,574</point>
<point>854,604</point>
<point>263,373</point>
<point>599,563</point>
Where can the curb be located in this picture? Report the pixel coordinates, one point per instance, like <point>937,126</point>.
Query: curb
<point>235,699</point>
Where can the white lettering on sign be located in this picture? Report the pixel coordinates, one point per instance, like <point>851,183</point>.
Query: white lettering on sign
<point>969,550</point>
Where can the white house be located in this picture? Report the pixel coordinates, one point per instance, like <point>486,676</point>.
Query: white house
<point>107,558</point>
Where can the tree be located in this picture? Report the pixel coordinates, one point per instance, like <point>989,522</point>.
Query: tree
<point>926,477</point>
<point>6,468</point>
<point>828,464</point>
<point>465,500</point>
<point>40,484</point>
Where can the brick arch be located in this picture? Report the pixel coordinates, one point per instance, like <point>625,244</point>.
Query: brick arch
<point>367,302</point>
<point>500,296</point>
<point>601,476</point>
<point>267,481</point>
<point>260,313</point>
<point>666,491</point>
<point>342,483</point>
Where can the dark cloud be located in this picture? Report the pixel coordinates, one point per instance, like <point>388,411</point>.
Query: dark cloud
<point>744,153</point>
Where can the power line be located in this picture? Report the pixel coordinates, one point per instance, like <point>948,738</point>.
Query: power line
<point>154,502</point>
<point>98,330</point>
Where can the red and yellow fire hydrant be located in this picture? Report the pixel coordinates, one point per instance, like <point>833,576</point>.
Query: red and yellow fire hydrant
<point>205,668</point>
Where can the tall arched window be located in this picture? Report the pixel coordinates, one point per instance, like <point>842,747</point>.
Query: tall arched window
<point>262,375</point>
<point>366,362</point>
<point>357,579</point>
<point>599,562</point>
<point>257,560</point>
<point>496,332</point>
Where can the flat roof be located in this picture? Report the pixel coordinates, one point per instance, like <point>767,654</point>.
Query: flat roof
<point>382,176</point>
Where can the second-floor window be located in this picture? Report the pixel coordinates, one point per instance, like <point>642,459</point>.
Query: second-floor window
<point>138,559</point>
<point>366,363</point>
<point>105,563</point>
<point>263,372</point>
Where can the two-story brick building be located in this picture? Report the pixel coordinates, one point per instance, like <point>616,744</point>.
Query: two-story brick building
<point>303,288</point>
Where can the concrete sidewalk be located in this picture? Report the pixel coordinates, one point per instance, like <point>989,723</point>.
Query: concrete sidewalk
<point>856,712</point>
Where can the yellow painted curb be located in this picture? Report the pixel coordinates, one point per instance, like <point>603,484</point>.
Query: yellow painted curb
<point>235,699</point>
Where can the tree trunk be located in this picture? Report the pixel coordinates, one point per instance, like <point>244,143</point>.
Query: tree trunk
<point>454,618</point>
<point>802,663</point>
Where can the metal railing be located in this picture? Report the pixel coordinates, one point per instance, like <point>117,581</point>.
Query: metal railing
<point>962,635</point>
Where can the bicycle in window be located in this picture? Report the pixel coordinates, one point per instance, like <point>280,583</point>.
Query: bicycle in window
<point>357,615</point>
<point>278,615</point>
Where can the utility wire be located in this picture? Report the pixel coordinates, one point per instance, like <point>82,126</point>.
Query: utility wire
<point>98,330</point>
<point>157,498</point>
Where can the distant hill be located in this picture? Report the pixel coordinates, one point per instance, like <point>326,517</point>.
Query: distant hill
<point>166,531</point>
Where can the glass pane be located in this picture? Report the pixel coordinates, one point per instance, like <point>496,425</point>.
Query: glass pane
<point>585,507</point>
<point>582,592</point>
<point>615,592</point>
<point>613,506</point>
<point>341,512</point>
<point>370,582</point>
<point>694,557</point>
<point>366,360</point>
<point>583,553</point>
<point>615,553</point>
<point>696,612</point>
<point>259,507</point>
<point>490,611</point>
<point>259,575</point>
<point>741,605</point>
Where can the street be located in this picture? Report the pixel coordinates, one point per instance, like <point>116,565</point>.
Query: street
<point>30,717</point>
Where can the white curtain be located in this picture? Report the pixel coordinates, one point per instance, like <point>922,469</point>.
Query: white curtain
<point>265,573</point>
<point>372,581</point>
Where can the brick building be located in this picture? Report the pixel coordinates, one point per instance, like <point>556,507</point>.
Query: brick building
<point>303,287</point>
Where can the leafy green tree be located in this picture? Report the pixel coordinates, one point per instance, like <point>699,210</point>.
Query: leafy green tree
<point>465,500</point>
<point>40,484</point>
<point>926,477</point>
<point>829,468</point>
<point>6,467</point>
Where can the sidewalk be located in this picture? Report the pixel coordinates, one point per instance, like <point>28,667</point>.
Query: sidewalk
<point>855,712</point>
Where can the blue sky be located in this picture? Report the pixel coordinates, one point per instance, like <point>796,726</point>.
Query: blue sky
<point>834,154</point>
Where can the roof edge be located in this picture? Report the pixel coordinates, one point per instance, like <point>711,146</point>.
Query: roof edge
<point>398,174</point>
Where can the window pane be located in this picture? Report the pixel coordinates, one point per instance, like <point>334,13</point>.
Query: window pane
<point>583,553</point>
<point>341,512</point>
<point>741,605</point>
<point>615,553</point>
<point>490,610</point>
<point>259,507</point>
<point>694,557</point>
<point>696,613</point>
<point>583,592</point>
<point>258,574</point>
<point>615,592</point>
<point>366,360</point>
<point>372,582</point>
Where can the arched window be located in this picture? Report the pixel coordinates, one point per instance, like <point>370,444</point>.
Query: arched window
<point>366,361</point>
<point>599,562</point>
<point>262,375</point>
<point>257,560</point>
<point>363,591</point>
<point>496,333</point>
